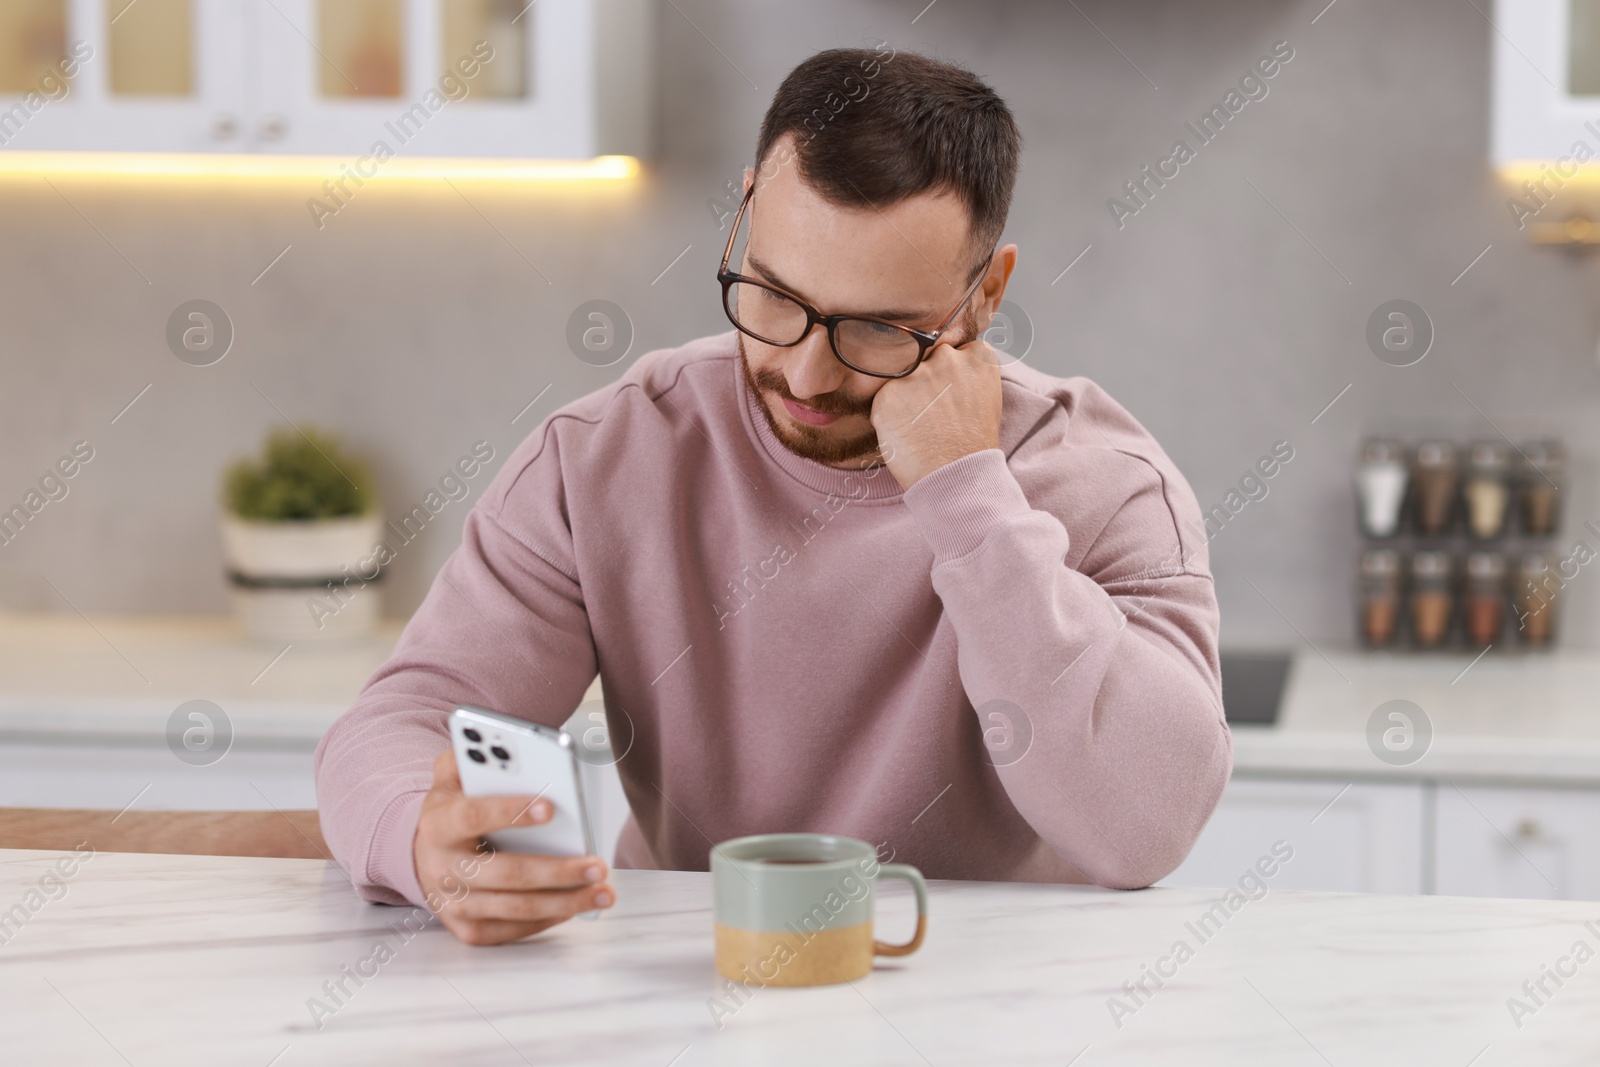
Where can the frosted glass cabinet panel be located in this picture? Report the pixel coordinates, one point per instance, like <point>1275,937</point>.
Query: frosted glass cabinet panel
<point>502,24</point>
<point>362,46</point>
<point>1583,48</point>
<point>33,36</point>
<point>151,47</point>
<point>492,79</point>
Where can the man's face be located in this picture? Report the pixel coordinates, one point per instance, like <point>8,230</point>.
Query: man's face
<point>908,262</point>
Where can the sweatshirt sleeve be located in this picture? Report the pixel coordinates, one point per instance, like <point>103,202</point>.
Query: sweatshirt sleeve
<point>503,627</point>
<point>1109,668</point>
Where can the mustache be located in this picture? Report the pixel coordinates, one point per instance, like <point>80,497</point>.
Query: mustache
<point>772,381</point>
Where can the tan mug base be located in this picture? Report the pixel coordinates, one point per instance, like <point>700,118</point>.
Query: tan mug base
<point>783,958</point>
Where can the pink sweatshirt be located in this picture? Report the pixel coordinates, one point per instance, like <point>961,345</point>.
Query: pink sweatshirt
<point>1007,673</point>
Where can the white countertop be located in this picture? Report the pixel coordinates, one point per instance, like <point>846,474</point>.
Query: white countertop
<point>206,960</point>
<point>121,675</point>
<point>1505,717</point>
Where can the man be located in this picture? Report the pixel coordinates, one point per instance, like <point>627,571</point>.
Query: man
<point>836,573</point>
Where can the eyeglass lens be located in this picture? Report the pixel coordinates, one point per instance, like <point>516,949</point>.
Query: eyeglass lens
<point>772,317</point>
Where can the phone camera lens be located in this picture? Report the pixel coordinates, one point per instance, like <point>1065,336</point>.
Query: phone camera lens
<point>500,753</point>
<point>472,735</point>
<point>476,756</point>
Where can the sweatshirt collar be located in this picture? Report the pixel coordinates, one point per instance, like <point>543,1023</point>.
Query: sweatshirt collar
<point>871,483</point>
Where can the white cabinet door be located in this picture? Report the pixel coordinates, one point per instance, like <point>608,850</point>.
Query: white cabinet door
<point>1495,842</point>
<point>1546,82</point>
<point>1363,838</point>
<point>152,76</point>
<point>334,72</point>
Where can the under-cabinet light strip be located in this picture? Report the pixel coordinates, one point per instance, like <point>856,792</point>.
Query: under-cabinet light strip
<point>180,165</point>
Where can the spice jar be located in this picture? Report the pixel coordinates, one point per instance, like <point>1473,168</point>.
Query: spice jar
<point>1487,489</point>
<point>1433,481</point>
<point>1485,602</point>
<point>1431,598</point>
<point>1535,596</point>
<point>1380,596</point>
<point>1381,487</point>
<point>1543,477</point>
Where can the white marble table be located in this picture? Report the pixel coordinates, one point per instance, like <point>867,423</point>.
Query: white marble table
<point>177,960</point>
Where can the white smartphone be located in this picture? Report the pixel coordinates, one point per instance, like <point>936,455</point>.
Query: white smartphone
<point>499,755</point>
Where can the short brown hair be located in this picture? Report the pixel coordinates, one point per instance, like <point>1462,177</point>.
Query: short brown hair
<point>874,128</point>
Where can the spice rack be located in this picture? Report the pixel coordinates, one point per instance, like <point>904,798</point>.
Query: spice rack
<point>1458,543</point>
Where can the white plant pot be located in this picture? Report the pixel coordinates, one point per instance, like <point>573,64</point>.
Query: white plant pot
<point>280,574</point>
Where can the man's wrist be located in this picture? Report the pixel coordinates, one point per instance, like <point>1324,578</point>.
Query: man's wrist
<point>957,505</point>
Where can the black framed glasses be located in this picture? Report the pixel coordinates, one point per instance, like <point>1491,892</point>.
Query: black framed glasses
<point>865,344</point>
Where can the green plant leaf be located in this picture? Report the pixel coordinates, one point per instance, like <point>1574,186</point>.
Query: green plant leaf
<point>299,476</point>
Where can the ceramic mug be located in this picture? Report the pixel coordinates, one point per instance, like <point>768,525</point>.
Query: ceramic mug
<point>796,909</point>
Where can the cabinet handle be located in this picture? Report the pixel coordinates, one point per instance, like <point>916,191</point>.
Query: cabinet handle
<point>1529,829</point>
<point>224,127</point>
<point>273,127</point>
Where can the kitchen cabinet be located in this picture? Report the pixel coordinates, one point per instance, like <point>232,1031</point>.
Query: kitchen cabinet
<point>485,79</point>
<point>165,76</point>
<point>1361,837</point>
<point>1404,837</point>
<point>1546,65</point>
<point>1503,842</point>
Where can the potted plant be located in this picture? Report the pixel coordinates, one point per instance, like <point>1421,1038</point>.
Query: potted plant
<point>299,529</point>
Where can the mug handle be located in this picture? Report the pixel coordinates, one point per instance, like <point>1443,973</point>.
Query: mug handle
<point>920,888</point>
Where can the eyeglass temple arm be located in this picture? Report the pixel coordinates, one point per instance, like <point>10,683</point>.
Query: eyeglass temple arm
<point>982,277</point>
<point>727,253</point>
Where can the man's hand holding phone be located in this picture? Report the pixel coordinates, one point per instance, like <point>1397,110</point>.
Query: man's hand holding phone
<point>507,895</point>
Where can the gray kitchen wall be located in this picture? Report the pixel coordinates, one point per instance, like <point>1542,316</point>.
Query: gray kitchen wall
<point>1226,314</point>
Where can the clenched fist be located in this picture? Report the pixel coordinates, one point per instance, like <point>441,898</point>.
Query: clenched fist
<point>946,409</point>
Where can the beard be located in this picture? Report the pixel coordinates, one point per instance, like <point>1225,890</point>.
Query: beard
<point>810,442</point>
<point>816,443</point>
